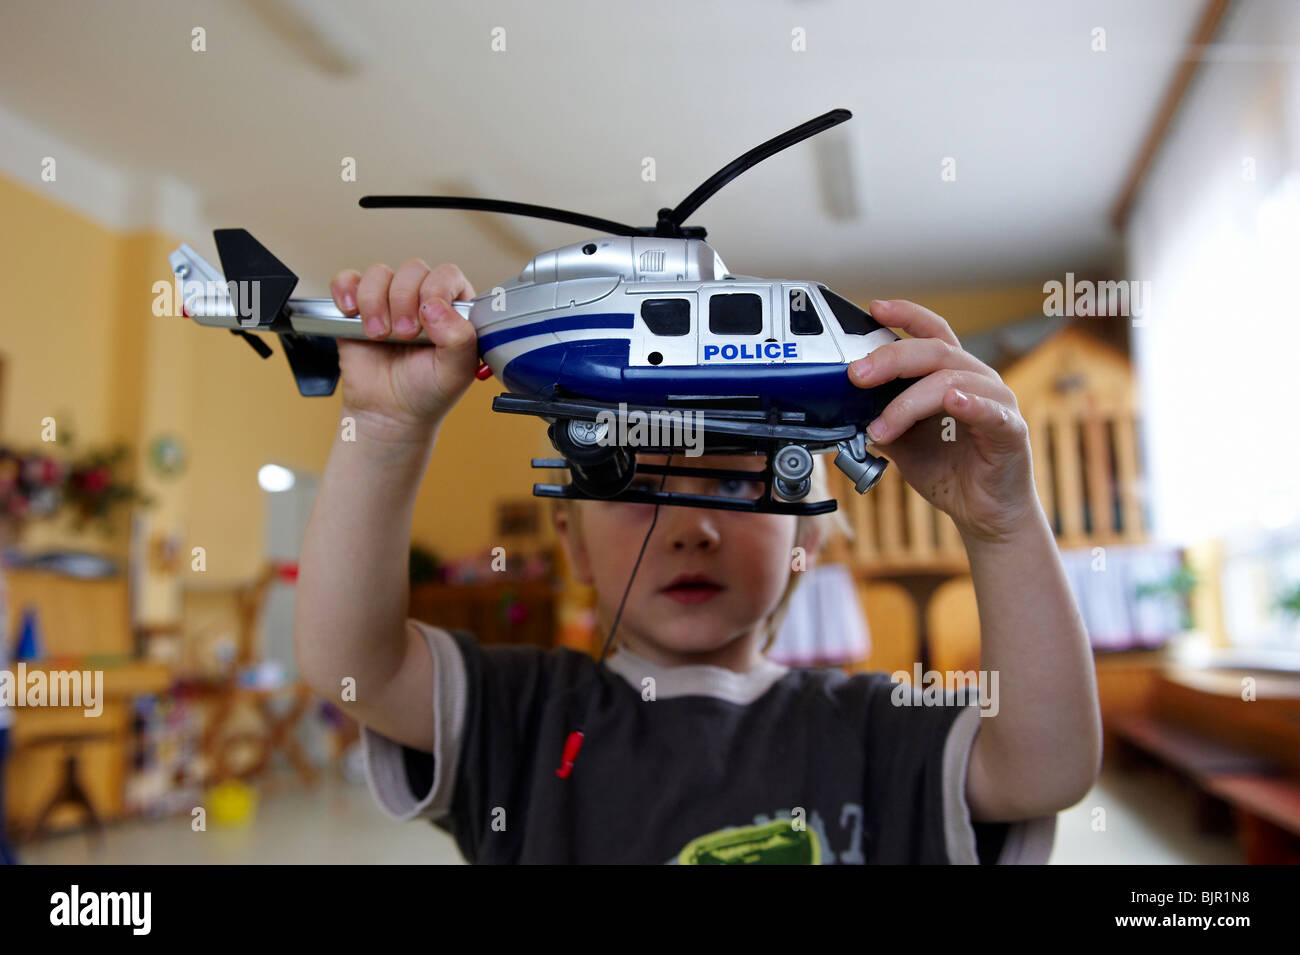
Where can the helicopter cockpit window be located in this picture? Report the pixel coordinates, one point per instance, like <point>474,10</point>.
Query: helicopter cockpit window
<point>740,313</point>
<point>803,314</point>
<point>852,319</point>
<point>667,316</point>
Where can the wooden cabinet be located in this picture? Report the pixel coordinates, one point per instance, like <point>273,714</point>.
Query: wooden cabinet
<point>84,625</point>
<point>496,612</point>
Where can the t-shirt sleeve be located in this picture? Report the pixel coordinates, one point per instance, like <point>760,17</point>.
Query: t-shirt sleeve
<point>509,690</point>
<point>407,783</point>
<point>487,708</point>
<point>1023,842</point>
<point>918,756</point>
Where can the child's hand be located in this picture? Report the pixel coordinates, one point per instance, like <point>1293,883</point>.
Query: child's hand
<point>405,390</point>
<point>983,476</point>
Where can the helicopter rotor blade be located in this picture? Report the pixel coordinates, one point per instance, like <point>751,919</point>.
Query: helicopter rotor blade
<point>670,221</point>
<point>502,205</point>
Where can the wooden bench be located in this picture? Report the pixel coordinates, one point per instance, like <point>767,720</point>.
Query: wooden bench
<point>1268,815</point>
<point>1186,751</point>
<point>1264,800</point>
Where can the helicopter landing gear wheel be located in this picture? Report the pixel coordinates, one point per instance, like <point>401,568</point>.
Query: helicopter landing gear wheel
<point>600,471</point>
<point>587,433</point>
<point>792,464</point>
<point>793,490</point>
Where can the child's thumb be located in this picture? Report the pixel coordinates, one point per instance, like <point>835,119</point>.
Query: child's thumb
<point>452,333</point>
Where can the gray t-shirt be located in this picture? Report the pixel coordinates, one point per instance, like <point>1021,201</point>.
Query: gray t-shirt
<point>691,764</point>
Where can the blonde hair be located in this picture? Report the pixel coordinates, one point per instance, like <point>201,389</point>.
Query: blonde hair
<point>828,524</point>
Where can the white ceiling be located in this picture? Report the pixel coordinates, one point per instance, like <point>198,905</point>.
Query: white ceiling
<point>1042,129</point>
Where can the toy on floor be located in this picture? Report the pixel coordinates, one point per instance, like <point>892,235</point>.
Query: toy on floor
<point>232,803</point>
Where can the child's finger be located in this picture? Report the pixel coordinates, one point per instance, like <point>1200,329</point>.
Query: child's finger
<point>372,300</point>
<point>926,398</point>
<point>1003,426</point>
<point>454,338</point>
<point>912,358</point>
<point>914,319</point>
<point>446,282</point>
<point>343,289</point>
<point>404,298</point>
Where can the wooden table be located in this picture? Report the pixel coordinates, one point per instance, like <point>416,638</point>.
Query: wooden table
<point>46,738</point>
<point>275,735</point>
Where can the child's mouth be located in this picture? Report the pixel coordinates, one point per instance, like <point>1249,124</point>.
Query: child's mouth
<point>693,591</point>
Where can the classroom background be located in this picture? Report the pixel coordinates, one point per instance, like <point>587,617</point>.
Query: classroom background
<point>1103,199</point>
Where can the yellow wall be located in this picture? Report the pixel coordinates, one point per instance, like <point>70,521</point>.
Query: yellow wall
<point>56,317</point>
<point>81,343</point>
<point>969,311</point>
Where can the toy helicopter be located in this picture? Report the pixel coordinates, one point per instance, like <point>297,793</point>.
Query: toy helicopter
<point>644,320</point>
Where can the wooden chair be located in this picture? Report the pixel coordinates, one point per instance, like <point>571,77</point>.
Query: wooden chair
<point>274,732</point>
<point>1078,397</point>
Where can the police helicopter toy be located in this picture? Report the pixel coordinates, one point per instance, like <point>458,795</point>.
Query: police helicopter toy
<point>641,321</point>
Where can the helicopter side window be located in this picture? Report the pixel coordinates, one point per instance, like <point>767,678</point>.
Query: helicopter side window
<point>852,319</point>
<point>803,315</point>
<point>738,313</point>
<point>667,316</point>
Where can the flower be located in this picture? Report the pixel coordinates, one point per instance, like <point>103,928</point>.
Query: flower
<point>51,473</point>
<point>36,485</point>
<point>98,479</point>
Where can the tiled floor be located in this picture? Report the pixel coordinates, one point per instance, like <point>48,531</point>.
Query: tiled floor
<point>335,822</point>
<point>1148,819</point>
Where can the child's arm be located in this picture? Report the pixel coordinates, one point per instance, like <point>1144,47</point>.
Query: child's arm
<point>957,437</point>
<point>352,593</point>
<point>1041,751</point>
<point>350,608</point>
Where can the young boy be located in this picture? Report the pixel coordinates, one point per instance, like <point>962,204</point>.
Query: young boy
<point>694,748</point>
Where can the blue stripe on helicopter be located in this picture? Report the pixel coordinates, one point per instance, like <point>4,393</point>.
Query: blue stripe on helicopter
<point>599,369</point>
<point>565,323</point>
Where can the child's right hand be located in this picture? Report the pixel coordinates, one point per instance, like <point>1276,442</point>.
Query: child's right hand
<point>405,390</point>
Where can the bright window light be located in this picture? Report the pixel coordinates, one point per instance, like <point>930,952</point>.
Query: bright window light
<point>274,478</point>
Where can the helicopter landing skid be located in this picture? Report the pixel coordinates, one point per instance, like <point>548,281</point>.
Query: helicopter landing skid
<point>603,470</point>
<point>764,504</point>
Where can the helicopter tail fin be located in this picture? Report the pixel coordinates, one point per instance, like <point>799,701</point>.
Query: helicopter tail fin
<point>313,359</point>
<point>245,260</point>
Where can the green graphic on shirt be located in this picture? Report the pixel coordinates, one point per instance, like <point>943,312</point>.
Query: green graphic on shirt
<point>774,843</point>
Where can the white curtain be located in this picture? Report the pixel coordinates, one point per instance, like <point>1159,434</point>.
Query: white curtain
<point>825,624</point>
<point>1216,231</point>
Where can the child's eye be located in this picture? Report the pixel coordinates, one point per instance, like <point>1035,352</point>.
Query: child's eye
<point>723,487</point>
<point>736,487</point>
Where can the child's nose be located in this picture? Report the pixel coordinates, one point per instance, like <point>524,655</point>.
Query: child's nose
<point>691,529</point>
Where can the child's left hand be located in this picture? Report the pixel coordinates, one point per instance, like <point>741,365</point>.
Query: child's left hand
<point>982,477</point>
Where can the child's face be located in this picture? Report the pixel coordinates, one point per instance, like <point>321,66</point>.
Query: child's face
<point>746,556</point>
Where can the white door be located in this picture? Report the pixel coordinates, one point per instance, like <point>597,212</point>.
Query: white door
<point>663,329</point>
<point>736,326</point>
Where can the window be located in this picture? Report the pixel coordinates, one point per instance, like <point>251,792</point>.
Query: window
<point>803,314</point>
<point>739,313</point>
<point>666,316</point>
<point>852,319</point>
